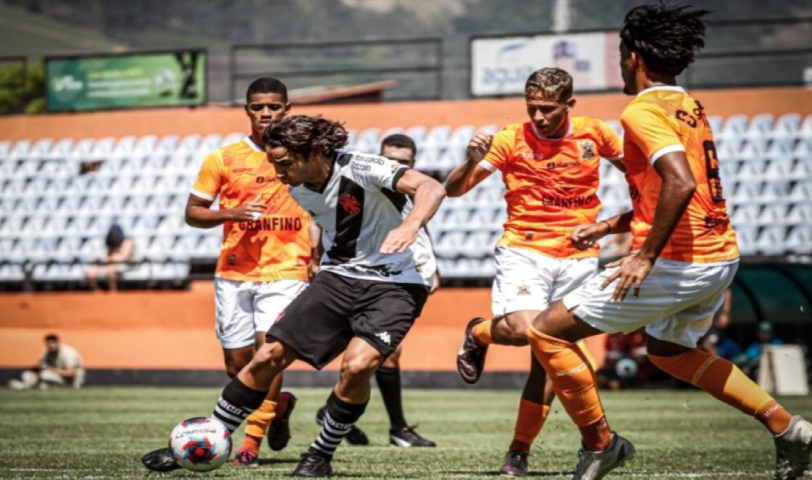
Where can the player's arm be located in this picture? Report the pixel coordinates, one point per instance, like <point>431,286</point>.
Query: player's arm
<point>474,170</point>
<point>587,235</point>
<point>316,247</point>
<point>428,194</point>
<point>200,215</point>
<point>611,146</point>
<point>617,162</point>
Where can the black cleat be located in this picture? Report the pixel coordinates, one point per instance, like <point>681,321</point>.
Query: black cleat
<point>407,437</point>
<point>279,430</point>
<point>313,464</point>
<point>160,460</point>
<point>471,357</point>
<point>514,465</point>
<point>356,435</point>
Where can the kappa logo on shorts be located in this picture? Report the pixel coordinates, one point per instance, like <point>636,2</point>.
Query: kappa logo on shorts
<point>349,203</point>
<point>385,337</point>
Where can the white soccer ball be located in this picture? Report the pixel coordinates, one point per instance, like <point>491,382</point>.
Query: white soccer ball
<point>200,444</point>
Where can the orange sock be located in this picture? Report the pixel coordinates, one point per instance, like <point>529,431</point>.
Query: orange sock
<point>258,423</point>
<point>574,383</point>
<point>482,333</point>
<point>727,383</point>
<point>528,425</point>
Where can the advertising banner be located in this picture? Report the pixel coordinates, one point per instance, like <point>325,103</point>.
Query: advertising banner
<point>104,82</point>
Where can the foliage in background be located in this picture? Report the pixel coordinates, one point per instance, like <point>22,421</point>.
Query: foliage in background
<point>22,89</point>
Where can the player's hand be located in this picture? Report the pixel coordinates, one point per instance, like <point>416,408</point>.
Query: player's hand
<point>479,146</point>
<point>586,236</point>
<point>435,283</point>
<point>312,270</point>
<point>400,239</point>
<point>633,270</point>
<point>247,211</point>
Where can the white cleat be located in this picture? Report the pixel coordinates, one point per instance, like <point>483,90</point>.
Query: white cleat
<point>793,449</point>
<point>595,465</point>
<point>16,385</point>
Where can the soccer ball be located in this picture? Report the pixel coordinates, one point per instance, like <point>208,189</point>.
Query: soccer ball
<point>200,444</point>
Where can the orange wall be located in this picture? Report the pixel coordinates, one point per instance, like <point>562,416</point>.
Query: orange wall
<point>203,121</point>
<point>175,330</point>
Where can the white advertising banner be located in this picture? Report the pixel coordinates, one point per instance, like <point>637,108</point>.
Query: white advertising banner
<point>500,66</point>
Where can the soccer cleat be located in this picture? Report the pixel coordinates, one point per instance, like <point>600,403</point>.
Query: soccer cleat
<point>246,458</point>
<point>356,436</point>
<point>471,357</point>
<point>595,465</point>
<point>793,449</point>
<point>313,464</point>
<point>407,437</point>
<point>279,430</point>
<point>514,465</point>
<point>160,460</point>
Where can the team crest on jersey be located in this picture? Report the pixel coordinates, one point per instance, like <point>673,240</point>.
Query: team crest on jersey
<point>349,203</point>
<point>523,290</point>
<point>587,150</point>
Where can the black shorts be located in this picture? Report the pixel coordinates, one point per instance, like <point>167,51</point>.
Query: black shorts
<point>321,321</point>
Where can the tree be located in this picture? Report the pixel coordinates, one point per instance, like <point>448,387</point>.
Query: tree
<point>22,88</point>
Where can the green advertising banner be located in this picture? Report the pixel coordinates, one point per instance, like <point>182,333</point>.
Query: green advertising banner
<point>103,82</point>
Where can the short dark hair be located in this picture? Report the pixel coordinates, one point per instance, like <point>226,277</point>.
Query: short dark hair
<point>267,85</point>
<point>303,135</point>
<point>666,37</point>
<point>51,337</point>
<point>399,140</point>
<point>551,82</point>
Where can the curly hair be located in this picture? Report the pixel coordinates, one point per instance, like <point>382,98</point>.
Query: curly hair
<point>553,83</point>
<point>303,135</point>
<point>666,37</point>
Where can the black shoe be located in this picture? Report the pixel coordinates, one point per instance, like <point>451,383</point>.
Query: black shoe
<point>407,437</point>
<point>356,435</point>
<point>471,357</point>
<point>313,464</point>
<point>279,430</point>
<point>160,460</point>
<point>514,465</point>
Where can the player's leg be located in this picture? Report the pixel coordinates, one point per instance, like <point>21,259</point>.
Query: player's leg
<point>113,271</point>
<point>523,280</point>
<point>388,379</point>
<point>671,347</point>
<point>382,315</point>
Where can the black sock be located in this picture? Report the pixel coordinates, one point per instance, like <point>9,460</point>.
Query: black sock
<point>339,419</point>
<point>389,382</point>
<point>237,402</point>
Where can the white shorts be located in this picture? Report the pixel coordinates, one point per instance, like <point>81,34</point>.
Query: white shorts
<point>244,308</point>
<point>676,304</point>
<point>526,280</point>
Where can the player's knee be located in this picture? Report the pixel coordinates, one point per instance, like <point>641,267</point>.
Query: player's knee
<point>393,360</point>
<point>359,366</point>
<point>269,355</point>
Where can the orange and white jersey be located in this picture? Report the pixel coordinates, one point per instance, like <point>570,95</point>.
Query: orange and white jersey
<point>552,184</point>
<point>663,120</point>
<point>274,247</point>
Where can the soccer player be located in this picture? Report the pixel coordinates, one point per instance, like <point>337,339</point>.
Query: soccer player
<point>263,264</point>
<point>368,291</point>
<point>550,169</point>
<point>684,257</point>
<point>402,149</point>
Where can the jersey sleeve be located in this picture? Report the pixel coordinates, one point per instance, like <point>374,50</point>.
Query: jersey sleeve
<point>610,145</point>
<point>373,172</point>
<point>210,178</point>
<point>501,150</point>
<point>649,129</point>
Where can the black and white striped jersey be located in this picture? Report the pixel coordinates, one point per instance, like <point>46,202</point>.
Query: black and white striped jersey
<point>356,208</point>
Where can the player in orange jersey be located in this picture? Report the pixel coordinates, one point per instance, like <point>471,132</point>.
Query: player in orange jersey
<point>550,169</point>
<point>685,255</point>
<point>264,260</point>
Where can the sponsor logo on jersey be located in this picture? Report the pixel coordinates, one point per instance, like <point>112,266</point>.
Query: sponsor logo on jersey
<point>568,202</point>
<point>523,290</point>
<point>349,203</point>
<point>273,224</point>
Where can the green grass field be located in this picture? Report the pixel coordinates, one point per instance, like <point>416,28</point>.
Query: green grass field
<point>102,432</point>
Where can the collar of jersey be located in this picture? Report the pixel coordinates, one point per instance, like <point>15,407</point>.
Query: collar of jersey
<point>251,144</point>
<point>664,88</point>
<point>542,137</point>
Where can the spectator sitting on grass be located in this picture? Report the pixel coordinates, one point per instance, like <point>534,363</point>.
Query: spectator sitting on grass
<point>60,365</point>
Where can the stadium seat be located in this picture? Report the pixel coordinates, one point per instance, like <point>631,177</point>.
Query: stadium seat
<point>799,239</point>
<point>771,241</point>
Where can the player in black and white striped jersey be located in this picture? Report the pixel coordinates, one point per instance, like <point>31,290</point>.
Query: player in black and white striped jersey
<point>369,289</point>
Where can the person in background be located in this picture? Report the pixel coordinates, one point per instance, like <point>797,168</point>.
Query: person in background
<point>752,355</point>
<point>60,365</point>
<point>120,250</point>
<point>716,341</point>
<point>626,361</point>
